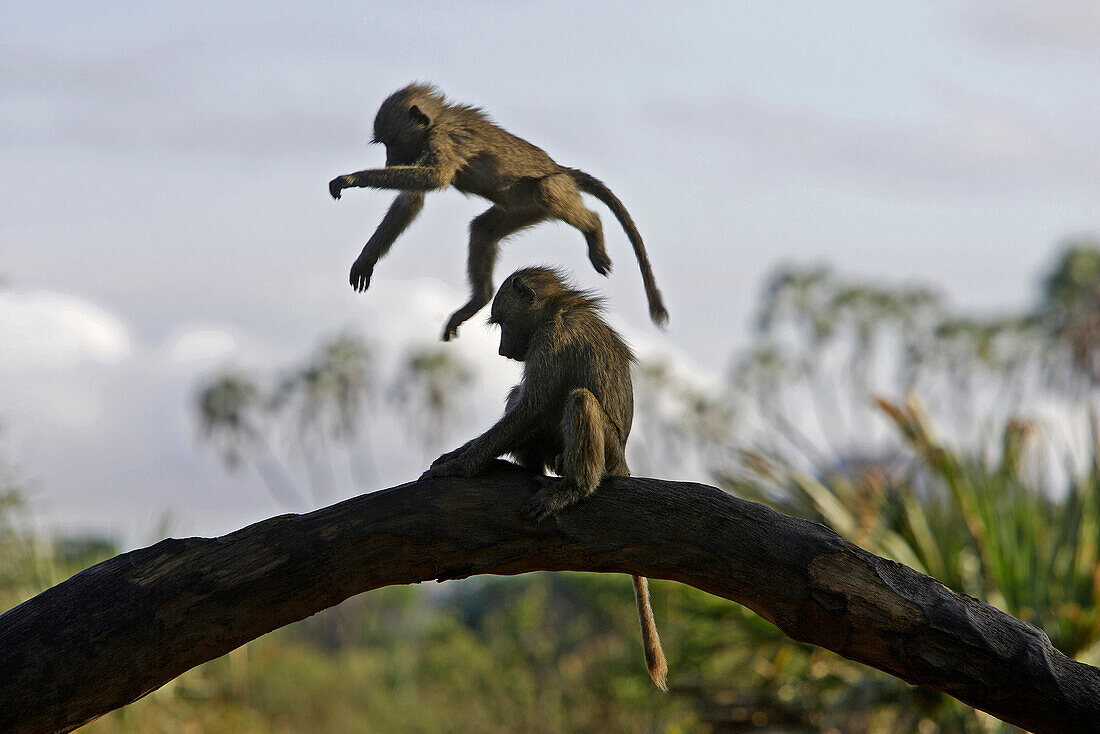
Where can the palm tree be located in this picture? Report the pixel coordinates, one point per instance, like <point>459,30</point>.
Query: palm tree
<point>1070,309</point>
<point>230,411</point>
<point>328,397</point>
<point>427,389</point>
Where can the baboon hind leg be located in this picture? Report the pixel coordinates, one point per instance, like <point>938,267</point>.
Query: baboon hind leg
<point>581,464</point>
<point>562,199</point>
<point>486,232</point>
<point>614,456</point>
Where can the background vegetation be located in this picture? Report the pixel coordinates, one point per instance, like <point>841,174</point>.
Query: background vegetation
<point>965,447</point>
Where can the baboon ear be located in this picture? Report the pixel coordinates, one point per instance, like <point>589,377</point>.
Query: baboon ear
<point>520,286</point>
<point>419,117</point>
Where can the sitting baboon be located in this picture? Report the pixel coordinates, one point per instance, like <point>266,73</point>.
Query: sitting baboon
<point>432,144</point>
<point>571,412</point>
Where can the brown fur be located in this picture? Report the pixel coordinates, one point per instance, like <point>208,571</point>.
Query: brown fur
<point>571,412</point>
<point>432,144</point>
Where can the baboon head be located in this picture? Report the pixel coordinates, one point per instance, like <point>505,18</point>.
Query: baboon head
<point>516,312</point>
<point>528,300</point>
<point>404,121</point>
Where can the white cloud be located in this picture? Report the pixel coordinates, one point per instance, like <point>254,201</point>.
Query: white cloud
<point>56,352</point>
<point>45,329</point>
<point>201,345</point>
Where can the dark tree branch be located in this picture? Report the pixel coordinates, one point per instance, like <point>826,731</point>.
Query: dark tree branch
<point>125,627</point>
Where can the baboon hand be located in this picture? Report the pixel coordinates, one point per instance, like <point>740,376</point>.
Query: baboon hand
<point>448,457</point>
<point>442,470</point>
<point>450,464</point>
<point>360,274</point>
<point>338,184</point>
<point>450,469</point>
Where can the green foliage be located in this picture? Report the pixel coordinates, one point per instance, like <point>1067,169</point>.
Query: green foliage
<point>21,564</point>
<point>1033,555</point>
<point>478,656</point>
<point>980,528</point>
<point>29,563</point>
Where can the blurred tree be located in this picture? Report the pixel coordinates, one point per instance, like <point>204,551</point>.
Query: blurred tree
<point>824,345</point>
<point>311,420</point>
<point>1070,308</point>
<point>310,426</point>
<point>230,412</point>
<point>681,425</point>
<point>325,400</point>
<point>337,386</point>
<point>427,392</point>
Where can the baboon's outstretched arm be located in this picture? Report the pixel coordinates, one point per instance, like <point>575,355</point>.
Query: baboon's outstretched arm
<point>400,215</point>
<point>405,178</point>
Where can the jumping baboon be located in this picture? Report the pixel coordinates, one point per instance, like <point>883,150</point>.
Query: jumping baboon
<point>432,144</point>
<point>571,412</point>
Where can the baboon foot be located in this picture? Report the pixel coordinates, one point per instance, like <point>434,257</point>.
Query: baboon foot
<point>461,316</point>
<point>554,497</point>
<point>600,261</point>
<point>450,331</point>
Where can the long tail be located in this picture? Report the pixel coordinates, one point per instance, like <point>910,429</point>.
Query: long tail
<point>592,185</point>
<point>654,655</point>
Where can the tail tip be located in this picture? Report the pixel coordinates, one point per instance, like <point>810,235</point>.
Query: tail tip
<point>659,674</point>
<point>655,661</point>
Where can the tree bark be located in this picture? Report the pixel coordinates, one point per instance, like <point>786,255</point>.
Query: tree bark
<point>120,629</point>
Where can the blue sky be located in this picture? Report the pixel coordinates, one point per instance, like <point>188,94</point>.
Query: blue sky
<point>164,172</point>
